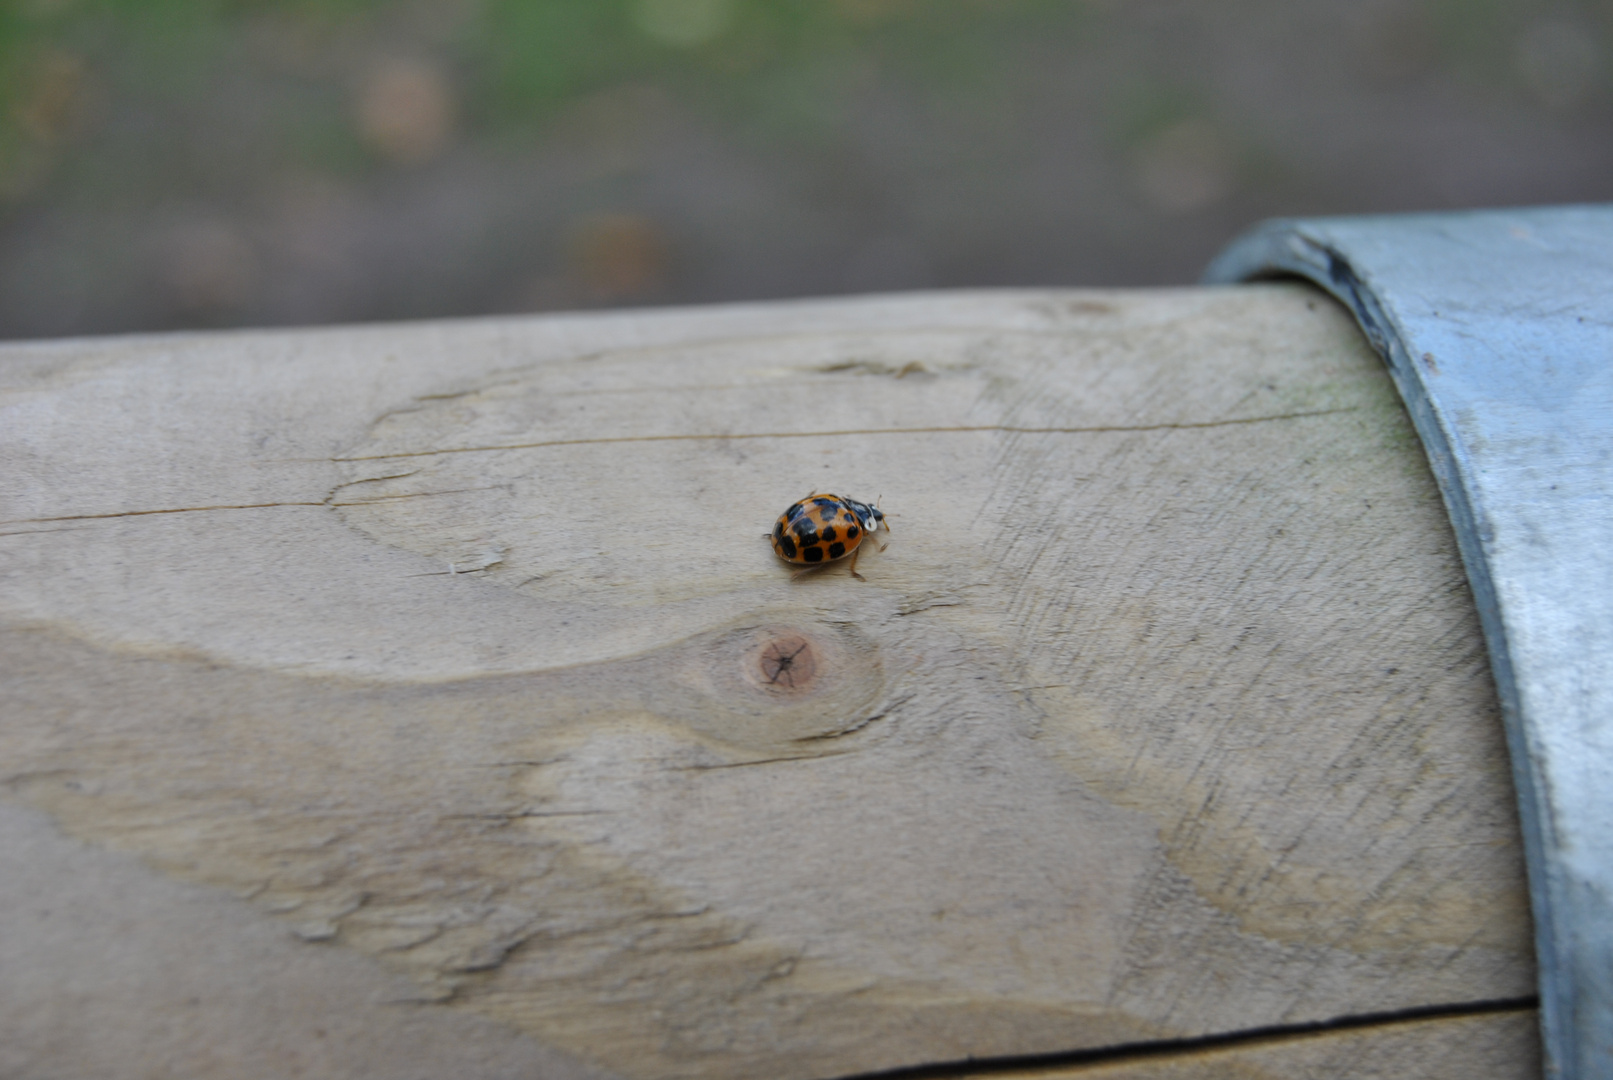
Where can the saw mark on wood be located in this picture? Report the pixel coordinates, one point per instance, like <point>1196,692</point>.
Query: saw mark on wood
<point>1096,429</point>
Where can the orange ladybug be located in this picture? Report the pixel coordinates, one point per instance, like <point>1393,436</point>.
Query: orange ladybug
<point>822,528</point>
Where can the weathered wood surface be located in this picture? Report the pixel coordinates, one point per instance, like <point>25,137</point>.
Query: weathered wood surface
<point>393,697</point>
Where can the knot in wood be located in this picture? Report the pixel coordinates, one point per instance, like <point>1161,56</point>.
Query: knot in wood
<point>788,662</point>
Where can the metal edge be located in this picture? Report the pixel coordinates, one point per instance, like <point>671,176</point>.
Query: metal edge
<point>1286,247</point>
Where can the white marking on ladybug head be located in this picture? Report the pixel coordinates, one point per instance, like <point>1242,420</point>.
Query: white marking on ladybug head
<point>869,516</point>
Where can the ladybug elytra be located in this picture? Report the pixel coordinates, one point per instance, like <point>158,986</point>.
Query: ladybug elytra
<point>822,528</point>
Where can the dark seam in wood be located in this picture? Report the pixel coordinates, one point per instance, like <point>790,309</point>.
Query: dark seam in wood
<point>146,513</point>
<point>1275,1033</point>
<point>1004,428</point>
<point>242,506</point>
<point>842,732</point>
<point>415,495</point>
<point>515,815</point>
<point>35,532</point>
<point>755,761</point>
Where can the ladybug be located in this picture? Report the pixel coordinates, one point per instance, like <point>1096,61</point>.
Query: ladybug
<point>822,528</point>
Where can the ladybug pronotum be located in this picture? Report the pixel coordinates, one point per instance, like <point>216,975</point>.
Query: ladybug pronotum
<point>822,528</point>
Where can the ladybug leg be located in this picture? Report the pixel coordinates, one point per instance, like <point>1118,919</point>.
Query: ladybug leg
<point>853,566</point>
<point>805,570</point>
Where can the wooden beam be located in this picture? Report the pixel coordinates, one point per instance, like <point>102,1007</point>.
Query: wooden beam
<point>442,647</point>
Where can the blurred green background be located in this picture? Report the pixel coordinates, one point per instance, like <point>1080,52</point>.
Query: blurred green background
<point>168,164</point>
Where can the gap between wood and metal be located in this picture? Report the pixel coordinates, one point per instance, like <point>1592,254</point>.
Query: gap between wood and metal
<point>1011,1065</point>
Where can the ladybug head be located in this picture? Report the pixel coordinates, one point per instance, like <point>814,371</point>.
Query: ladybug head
<point>870,515</point>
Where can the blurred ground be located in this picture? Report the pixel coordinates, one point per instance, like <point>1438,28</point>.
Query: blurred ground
<point>189,163</point>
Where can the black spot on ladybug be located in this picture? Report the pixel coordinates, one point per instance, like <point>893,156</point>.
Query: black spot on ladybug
<point>812,554</point>
<point>836,550</point>
<point>805,534</point>
<point>851,532</point>
<point>786,545</point>
<point>828,506</point>
<point>828,534</point>
<point>778,528</point>
<point>793,512</point>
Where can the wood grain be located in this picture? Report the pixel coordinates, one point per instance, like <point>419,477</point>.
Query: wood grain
<point>1164,712</point>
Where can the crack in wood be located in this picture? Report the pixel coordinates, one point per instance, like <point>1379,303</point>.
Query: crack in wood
<point>1012,1065</point>
<point>809,758</point>
<point>167,510</point>
<point>1007,429</point>
<point>246,506</point>
<point>415,494</point>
